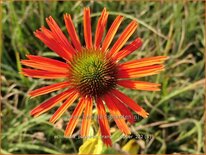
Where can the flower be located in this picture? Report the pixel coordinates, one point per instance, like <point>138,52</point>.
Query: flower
<point>91,73</point>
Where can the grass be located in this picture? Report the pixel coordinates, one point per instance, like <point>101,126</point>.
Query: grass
<point>175,124</point>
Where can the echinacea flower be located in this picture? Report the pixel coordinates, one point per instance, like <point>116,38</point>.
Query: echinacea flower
<point>92,73</point>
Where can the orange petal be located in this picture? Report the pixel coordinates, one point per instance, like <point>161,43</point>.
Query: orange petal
<point>44,60</point>
<point>140,72</point>
<point>72,32</point>
<point>128,101</point>
<point>101,24</point>
<point>87,28</point>
<point>111,32</point>
<point>123,109</point>
<point>144,62</point>
<point>64,107</point>
<point>123,38</point>
<point>46,36</point>
<point>43,74</point>
<point>74,118</point>
<point>86,120</point>
<point>44,66</point>
<point>45,106</point>
<point>118,118</point>
<point>103,123</point>
<point>128,49</point>
<point>48,89</point>
<point>140,85</point>
<point>58,34</point>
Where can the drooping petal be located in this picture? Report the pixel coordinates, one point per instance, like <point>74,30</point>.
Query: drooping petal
<point>50,103</point>
<point>74,118</point>
<point>118,118</point>
<point>140,71</point>
<point>64,107</point>
<point>101,24</point>
<point>123,109</point>
<point>103,122</point>
<point>48,89</point>
<point>128,101</point>
<point>86,120</point>
<point>140,85</point>
<point>128,49</point>
<point>43,74</point>
<point>143,62</point>
<point>111,32</point>
<point>58,34</point>
<point>129,30</point>
<point>72,32</point>
<point>46,36</point>
<point>87,28</point>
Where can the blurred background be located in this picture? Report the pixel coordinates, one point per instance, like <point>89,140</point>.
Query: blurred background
<point>176,121</point>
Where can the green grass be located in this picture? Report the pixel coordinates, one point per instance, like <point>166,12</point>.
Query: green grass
<point>175,123</point>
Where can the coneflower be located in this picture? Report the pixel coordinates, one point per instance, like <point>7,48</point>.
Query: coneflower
<point>92,73</point>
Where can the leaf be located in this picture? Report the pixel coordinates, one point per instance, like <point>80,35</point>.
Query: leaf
<point>116,136</point>
<point>91,146</point>
<point>30,146</point>
<point>131,147</point>
<point>110,150</point>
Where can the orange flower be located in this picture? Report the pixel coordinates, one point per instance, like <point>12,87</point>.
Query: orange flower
<point>92,73</point>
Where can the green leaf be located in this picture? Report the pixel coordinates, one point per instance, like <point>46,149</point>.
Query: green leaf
<point>116,136</point>
<point>33,147</point>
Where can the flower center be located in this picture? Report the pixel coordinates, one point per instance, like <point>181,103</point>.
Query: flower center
<point>92,73</point>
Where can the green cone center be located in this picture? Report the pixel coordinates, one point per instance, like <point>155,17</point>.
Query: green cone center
<point>92,73</point>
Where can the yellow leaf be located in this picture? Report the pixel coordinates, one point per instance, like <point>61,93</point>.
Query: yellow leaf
<point>91,146</point>
<point>131,147</point>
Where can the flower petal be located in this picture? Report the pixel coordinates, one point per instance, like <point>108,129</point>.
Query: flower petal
<point>43,74</point>
<point>64,107</point>
<point>118,118</point>
<point>44,60</point>
<point>128,101</point>
<point>143,62</point>
<point>87,28</point>
<point>46,36</point>
<point>129,30</point>
<point>72,32</point>
<point>103,123</point>
<point>101,24</point>
<point>45,106</point>
<point>74,118</point>
<point>128,49</point>
<point>48,89</point>
<point>86,120</point>
<point>111,32</point>
<point>45,66</point>
<point>140,85</point>
<point>140,72</point>
<point>123,109</point>
<point>58,34</point>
